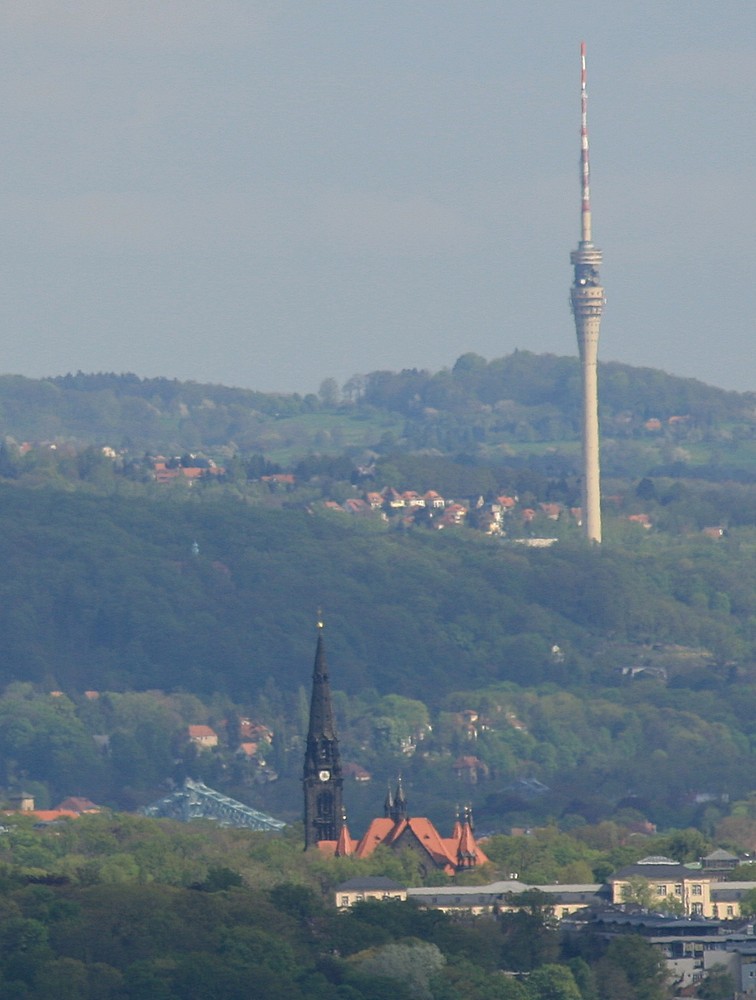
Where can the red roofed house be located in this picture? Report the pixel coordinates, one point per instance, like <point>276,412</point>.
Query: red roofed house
<point>251,730</point>
<point>434,500</point>
<point>165,474</point>
<point>52,815</point>
<point>715,531</point>
<point>470,769</point>
<point>68,809</point>
<point>203,736</point>
<point>353,505</point>
<point>551,510</point>
<point>279,479</point>
<point>455,514</point>
<point>643,519</point>
<point>356,773</point>
<point>393,498</point>
<point>78,804</point>
<point>413,499</point>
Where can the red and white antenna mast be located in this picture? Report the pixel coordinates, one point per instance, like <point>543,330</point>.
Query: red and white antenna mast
<point>585,165</point>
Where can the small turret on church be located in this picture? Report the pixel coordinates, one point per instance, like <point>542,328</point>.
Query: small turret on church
<point>395,806</point>
<point>322,778</point>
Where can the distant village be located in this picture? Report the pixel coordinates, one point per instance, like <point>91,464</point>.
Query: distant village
<point>526,522</point>
<point>501,516</point>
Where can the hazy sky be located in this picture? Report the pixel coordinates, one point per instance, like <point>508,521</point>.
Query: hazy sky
<point>269,192</point>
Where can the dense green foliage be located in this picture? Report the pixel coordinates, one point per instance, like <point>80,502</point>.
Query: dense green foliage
<point>114,907</point>
<point>595,691</point>
<point>107,593</point>
<point>149,942</point>
<point>497,410</point>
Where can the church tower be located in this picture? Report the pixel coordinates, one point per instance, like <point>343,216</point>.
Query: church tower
<point>323,781</point>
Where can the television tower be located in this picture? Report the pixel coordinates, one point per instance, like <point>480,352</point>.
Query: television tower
<point>587,298</point>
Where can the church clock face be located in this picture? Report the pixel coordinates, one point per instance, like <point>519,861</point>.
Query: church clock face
<point>324,775</point>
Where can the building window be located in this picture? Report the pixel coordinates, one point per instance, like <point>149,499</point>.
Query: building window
<point>345,900</point>
<point>678,889</point>
<point>730,911</point>
<point>661,890</point>
<point>696,889</point>
<point>359,897</point>
<point>697,909</point>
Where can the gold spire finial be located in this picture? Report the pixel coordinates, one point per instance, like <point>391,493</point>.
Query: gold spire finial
<point>320,618</point>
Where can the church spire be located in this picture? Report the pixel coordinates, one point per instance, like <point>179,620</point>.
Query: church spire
<point>322,778</point>
<point>469,855</point>
<point>400,799</point>
<point>396,804</point>
<point>321,710</point>
<point>388,802</point>
<point>457,831</point>
<point>344,845</point>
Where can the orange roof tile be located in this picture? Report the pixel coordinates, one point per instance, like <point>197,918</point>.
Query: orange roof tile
<point>44,815</point>
<point>279,477</point>
<point>377,833</point>
<point>201,732</point>
<point>428,837</point>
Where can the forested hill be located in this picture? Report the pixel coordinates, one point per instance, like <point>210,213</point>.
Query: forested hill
<point>550,380</point>
<point>112,591</point>
<point>523,397</point>
<point>121,573</point>
<point>596,670</point>
<point>128,411</point>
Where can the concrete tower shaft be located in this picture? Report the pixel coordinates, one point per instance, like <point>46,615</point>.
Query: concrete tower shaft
<point>587,307</point>
<point>587,299</point>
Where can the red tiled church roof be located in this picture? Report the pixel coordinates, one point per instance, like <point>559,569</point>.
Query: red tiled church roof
<point>449,854</point>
